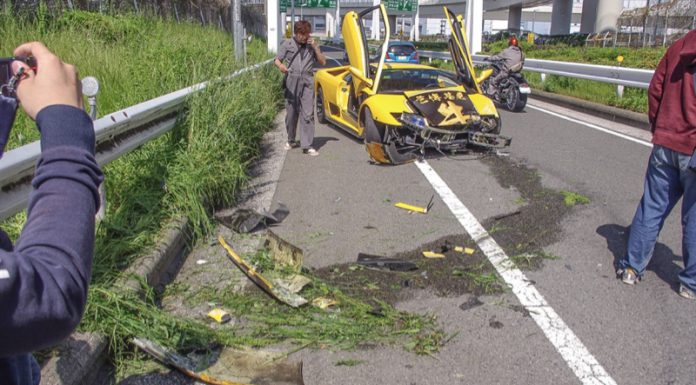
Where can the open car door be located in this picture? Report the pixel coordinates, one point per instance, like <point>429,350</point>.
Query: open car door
<point>358,53</point>
<point>459,49</point>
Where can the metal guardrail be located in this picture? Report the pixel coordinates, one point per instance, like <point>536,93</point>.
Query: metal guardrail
<point>620,76</point>
<point>117,134</point>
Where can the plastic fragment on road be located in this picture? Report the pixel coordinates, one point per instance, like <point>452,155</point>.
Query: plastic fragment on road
<point>433,255</point>
<point>219,315</point>
<point>416,209</point>
<point>246,220</point>
<point>323,302</point>
<point>379,262</point>
<point>465,250</point>
<point>294,284</point>
<point>279,293</point>
<point>201,262</point>
<point>284,253</point>
<point>228,366</point>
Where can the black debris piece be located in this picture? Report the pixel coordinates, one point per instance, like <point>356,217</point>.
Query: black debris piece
<point>380,262</point>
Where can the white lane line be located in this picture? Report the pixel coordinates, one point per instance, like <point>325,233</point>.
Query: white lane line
<point>576,355</point>
<point>596,127</point>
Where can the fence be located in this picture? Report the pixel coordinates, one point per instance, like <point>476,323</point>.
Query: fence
<point>654,26</point>
<point>206,12</point>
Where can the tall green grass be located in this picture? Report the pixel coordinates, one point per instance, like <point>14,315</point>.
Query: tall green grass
<point>199,165</point>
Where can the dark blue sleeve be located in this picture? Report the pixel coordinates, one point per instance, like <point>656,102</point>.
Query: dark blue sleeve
<point>44,280</point>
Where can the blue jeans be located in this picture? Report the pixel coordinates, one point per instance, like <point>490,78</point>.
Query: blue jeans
<point>668,178</point>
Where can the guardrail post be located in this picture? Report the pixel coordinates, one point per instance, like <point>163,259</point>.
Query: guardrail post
<point>430,60</point>
<point>619,91</point>
<point>90,88</point>
<point>543,78</point>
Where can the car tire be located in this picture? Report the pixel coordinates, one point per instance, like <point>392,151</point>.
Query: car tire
<point>321,110</point>
<point>373,133</point>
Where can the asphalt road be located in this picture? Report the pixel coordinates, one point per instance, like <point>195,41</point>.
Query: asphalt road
<point>605,332</point>
<point>342,205</point>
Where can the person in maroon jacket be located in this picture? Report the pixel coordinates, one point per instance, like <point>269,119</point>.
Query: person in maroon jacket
<point>672,114</point>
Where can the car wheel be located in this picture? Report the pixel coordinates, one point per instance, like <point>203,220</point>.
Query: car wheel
<point>321,111</point>
<point>377,135</point>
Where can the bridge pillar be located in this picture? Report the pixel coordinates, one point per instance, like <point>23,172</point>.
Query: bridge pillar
<point>515,18</point>
<point>272,25</point>
<point>474,24</point>
<point>589,16</point>
<point>561,12</point>
<point>392,23</point>
<point>330,25</point>
<point>375,22</point>
<point>608,12</point>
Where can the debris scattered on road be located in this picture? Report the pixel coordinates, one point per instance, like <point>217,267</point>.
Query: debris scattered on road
<point>323,302</point>
<point>294,283</point>
<point>201,262</point>
<point>432,255</point>
<point>228,366</point>
<point>465,250</point>
<point>278,292</point>
<point>246,220</point>
<point>219,315</point>
<point>471,303</point>
<point>416,209</point>
<point>379,262</point>
<point>284,253</point>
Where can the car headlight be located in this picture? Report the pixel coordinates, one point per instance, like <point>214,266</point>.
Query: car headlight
<point>415,121</point>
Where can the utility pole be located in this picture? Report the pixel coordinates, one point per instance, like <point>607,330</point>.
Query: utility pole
<point>237,29</point>
<point>292,16</point>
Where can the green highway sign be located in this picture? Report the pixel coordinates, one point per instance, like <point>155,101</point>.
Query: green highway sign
<point>401,5</point>
<point>285,5</point>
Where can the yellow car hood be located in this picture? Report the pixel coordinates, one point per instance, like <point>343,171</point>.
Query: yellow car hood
<point>447,106</point>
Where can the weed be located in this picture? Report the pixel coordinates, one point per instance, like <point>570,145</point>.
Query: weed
<point>571,198</point>
<point>520,201</point>
<point>349,362</point>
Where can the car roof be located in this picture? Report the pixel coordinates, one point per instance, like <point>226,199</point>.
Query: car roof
<point>401,66</point>
<point>399,42</point>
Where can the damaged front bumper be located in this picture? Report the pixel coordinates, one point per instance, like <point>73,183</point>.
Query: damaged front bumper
<point>476,131</point>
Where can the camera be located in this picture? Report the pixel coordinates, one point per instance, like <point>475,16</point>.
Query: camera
<point>6,74</point>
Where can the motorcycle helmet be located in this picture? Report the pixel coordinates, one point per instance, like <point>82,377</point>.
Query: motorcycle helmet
<point>512,41</point>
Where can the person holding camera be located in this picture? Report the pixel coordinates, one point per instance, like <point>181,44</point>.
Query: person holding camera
<point>44,277</point>
<point>671,173</point>
<point>296,59</point>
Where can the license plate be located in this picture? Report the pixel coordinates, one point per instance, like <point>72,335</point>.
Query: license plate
<point>525,90</point>
<point>403,57</point>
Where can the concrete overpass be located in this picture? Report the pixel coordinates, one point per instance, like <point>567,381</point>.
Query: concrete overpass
<point>597,15</point>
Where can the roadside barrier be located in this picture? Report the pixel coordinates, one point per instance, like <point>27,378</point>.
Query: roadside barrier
<point>117,134</point>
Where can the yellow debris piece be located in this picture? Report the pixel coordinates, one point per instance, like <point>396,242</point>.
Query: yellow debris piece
<point>415,209</point>
<point>219,315</point>
<point>323,302</point>
<point>430,254</point>
<point>464,250</point>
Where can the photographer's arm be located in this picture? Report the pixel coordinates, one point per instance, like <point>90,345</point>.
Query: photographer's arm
<point>43,282</point>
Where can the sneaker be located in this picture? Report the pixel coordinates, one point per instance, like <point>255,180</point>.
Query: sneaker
<point>686,292</point>
<point>289,145</point>
<point>310,151</point>
<point>628,276</point>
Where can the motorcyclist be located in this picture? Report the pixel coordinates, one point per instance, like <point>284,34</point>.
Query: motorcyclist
<point>512,60</point>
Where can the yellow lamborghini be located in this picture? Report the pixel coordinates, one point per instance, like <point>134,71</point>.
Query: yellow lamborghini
<point>399,110</point>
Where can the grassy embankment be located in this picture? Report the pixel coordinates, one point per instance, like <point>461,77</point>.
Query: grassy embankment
<point>201,164</point>
<point>634,99</point>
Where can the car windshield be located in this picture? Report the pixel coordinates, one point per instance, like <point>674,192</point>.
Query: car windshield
<point>400,80</point>
<point>401,50</point>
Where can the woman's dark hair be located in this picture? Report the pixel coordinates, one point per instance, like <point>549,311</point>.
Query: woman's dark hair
<point>303,27</point>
